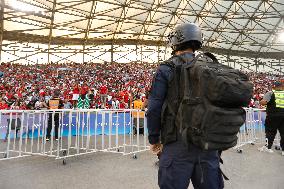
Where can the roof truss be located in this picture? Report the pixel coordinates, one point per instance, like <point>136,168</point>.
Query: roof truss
<point>245,28</point>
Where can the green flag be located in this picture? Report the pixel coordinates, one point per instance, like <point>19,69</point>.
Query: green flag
<point>83,104</point>
<point>87,102</point>
<point>80,103</point>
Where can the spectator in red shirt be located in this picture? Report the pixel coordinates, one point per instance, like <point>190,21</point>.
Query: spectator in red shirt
<point>126,96</point>
<point>93,104</point>
<point>103,93</point>
<point>122,105</point>
<point>84,89</point>
<point>76,92</point>
<point>103,89</point>
<point>3,105</point>
<point>23,106</point>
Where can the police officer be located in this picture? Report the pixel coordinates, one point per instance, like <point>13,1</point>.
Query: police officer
<point>54,103</point>
<point>274,116</point>
<point>178,163</point>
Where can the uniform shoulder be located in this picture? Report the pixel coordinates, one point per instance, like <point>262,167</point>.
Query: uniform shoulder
<point>269,93</point>
<point>167,65</point>
<point>165,70</point>
<point>267,96</point>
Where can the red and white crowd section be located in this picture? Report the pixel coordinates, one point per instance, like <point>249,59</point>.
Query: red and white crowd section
<point>31,86</point>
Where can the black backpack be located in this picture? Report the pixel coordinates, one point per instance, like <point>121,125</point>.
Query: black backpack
<point>210,113</point>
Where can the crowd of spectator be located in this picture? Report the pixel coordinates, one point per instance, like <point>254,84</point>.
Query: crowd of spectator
<point>263,83</point>
<point>108,85</point>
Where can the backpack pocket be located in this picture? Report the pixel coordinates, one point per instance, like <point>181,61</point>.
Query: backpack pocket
<point>221,126</point>
<point>228,88</point>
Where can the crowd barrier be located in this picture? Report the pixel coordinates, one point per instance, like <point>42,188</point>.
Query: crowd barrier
<point>80,132</point>
<point>24,132</point>
<point>253,132</point>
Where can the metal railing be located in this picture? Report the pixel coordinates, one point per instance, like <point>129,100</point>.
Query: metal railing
<point>61,134</point>
<point>253,131</point>
<point>67,133</point>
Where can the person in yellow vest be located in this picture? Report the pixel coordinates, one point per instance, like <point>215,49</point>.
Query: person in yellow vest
<point>54,103</point>
<point>274,116</point>
<point>138,105</point>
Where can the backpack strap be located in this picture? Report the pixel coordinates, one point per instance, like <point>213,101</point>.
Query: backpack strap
<point>176,70</point>
<point>186,82</point>
<point>212,56</point>
<point>222,173</point>
<point>221,161</point>
<point>204,55</point>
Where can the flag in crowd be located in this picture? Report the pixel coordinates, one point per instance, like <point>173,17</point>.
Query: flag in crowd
<point>83,103</point>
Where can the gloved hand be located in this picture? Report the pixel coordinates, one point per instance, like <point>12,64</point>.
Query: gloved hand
<point>156,148</point>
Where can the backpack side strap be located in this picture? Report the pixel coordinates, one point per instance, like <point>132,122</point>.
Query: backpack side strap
<point>212,56</point>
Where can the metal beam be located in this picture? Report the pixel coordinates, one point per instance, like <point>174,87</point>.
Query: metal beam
<point>248,54</point>
<point>50,29</point>
<point>90,18</point>
<point>150,16</point>
<point>269,36</point>
<point>219,23</point>
<point>1,27</point>
<point>22,37</point>
<point>245,26</point>
<point>111,53</point>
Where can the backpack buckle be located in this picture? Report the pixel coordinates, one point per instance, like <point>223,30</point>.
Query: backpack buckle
<point>193,101</point>
<point>196,131</point>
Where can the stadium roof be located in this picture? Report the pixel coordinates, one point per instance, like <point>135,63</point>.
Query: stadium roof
<point>245,28</point>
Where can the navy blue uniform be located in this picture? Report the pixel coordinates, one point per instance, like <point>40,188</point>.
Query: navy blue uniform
<point>178,163</point>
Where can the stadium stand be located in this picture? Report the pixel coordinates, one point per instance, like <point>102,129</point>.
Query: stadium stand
<point>122,83</point>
